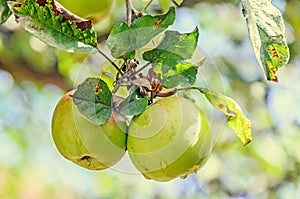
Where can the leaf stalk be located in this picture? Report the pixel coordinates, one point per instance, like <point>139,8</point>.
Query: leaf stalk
<point>110,61</point>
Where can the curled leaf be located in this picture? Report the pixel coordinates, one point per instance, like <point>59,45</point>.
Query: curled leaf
<point>235,116</point>
<point>266,30</point>
<point>142,82</point>
<point>4,11</point>
<point>56,26</point>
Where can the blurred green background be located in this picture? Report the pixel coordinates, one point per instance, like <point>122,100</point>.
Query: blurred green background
<point>33,77</point>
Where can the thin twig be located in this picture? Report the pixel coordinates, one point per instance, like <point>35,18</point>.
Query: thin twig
<point>142,68</point>
<point>145,66</point>
<point>116,88</point>
<point>129,10</point>
<point>108,59</point>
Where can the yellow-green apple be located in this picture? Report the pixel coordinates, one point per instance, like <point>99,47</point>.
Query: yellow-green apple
<point>88,145</point>
<point>170,139</point>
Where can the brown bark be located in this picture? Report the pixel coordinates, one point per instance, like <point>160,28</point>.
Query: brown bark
<point>23,72</point>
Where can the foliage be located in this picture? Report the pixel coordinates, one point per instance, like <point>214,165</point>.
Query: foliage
<point>54,25</point>
<point>124,40</point>
<point>266,29</point>
<point>235,117</point>
<point>134,104</point>
<point>94,100</point>
<point>169,66</point>
<point>183,74</point>
<point>272,109</point>
<point>173,49</point>
<point>4,11</point>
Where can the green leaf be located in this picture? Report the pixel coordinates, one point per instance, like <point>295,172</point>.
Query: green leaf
<point>4,11</point>
<point>94,100</point>
<point>165,4</point>
<point>266,29</point>
<point>125,40</point>
<point>184,74</point>
<point>173,49</point>
<point>134,104</point>
<point>178,2</point>
<point>51,23</point>
<point>235,117</point>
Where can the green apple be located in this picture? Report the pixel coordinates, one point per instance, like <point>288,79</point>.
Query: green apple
<point>96,10</point>
<point>170,139</point>
<point>90,146</point>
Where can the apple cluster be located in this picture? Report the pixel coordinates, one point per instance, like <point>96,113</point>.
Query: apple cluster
<point>170,139</point>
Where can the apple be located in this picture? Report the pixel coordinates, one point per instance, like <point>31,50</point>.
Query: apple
<point>96,10</point>
<point>170,139</point>
<point>80,141</point>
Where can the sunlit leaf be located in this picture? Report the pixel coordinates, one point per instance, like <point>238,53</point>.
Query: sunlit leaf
<point>235,116</point>
<point>173,49</point>
<point>53,24</point>
<point>4,11</point>
<point>164,4</point>
<point>184,74</point>
<point>94,100</point>
<point>124,40</point>
<point>178,2</point>
<point>134,104</point>
<point>266,29</point>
